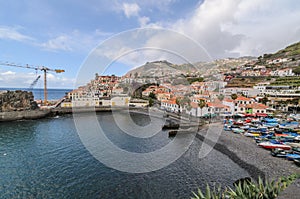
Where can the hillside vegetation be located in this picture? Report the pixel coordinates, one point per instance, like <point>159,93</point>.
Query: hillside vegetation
<point>291,52</point>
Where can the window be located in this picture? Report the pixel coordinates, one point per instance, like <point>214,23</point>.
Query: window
<point>242,109</point>
<point>257,111</point>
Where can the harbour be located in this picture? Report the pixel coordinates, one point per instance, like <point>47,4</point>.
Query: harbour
<point>45,158</point>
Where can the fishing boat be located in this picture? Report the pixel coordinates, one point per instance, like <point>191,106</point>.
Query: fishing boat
<point>297,138</point>
<point>280,153</point>
<point>253,130</point>
<point>237,130</point>
<point>296,150</point>
<point>239,123</point>
<point>292,156</point>
<point>227,127</point>
<point>172,133</point>
<point>294,145</point>
<point>245,127</point>
<point>297,162</point>
<point>264,138</point>
<point>273,145</point>
<point>248,134</point>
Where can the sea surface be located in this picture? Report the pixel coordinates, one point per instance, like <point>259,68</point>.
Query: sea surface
<point>38,93</point>
<point>46,159</point>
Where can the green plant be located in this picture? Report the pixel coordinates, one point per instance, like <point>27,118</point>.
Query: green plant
<point>214,193</point>
<point>248,190</point>
<point>151,102</point>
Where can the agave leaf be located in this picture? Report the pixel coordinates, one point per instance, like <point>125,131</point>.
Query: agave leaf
<point>208,192</point>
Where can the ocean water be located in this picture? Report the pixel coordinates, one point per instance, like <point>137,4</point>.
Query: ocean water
<point>53,94</point>
<point>46,159</point>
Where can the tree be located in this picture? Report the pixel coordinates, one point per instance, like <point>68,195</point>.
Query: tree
<point>136,75</point>
<point>186,100</point>
<point>264,100</point>
<point>234,96</point>
<point>151,102</point>
<point>178,102</point>
<point>201,104</point>
<point>183,101</point>
<point>297,70</point>
<point>152,95</point>
<point>96,76</point>
<point>221,97</point>
<point>188,107</point>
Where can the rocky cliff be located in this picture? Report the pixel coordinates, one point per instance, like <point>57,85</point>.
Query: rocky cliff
<point>17,101</point>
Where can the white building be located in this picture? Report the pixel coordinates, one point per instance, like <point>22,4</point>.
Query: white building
<point>170,105</point>
<point>248,92</point>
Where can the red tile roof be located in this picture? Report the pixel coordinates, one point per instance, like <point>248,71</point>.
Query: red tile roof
<point>242,98</point>
<point>257,106</point>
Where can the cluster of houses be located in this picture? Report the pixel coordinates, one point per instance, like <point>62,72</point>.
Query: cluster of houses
<point>217,98</point>
<point>273,67</point>
<point>201,102</point>
<point>196,99</point>
<point>101,92</point>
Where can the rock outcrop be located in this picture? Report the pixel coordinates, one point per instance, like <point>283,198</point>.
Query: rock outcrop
<point>17,101</point>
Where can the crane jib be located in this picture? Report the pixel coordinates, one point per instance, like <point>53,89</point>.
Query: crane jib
<point>42,68</point>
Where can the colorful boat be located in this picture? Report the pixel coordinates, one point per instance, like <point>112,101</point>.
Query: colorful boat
<point>227,127</point>
<point>237,130</point>
<point>274,145</point>
<point>248,134</point>
<point>292,156</point>
<point>280,153</point>
<point>297,162</point>
<point>294,145</point>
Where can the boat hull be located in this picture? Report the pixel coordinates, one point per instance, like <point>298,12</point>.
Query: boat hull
<point>274,146</point>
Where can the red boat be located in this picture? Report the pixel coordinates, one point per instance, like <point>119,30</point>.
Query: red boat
<point>261,115</point>
<point>270,145</point>
<point>239,123</point>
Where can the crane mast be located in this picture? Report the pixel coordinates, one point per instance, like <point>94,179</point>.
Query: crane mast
<point>43,68</point>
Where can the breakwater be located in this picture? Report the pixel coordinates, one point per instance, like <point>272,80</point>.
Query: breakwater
<point>23,115</point>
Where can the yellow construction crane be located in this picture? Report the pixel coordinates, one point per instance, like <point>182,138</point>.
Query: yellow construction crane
<point>41,68</point>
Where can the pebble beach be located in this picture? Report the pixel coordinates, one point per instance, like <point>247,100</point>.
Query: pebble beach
<point>254,159</point>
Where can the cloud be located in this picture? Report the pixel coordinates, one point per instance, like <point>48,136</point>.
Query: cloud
<point>267,25</point>
<point>143,21</point>
<point>75,41</point>
<point>130,9</point>
<point>231,28</point>
<point>21,79</point>
<point>61,42</point>
<point>205,26</point>
<point>224,28</point>
<point>12,33</point>
<point>8,73</point>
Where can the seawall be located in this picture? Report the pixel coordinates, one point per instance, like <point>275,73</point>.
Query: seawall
<point>23,115</point>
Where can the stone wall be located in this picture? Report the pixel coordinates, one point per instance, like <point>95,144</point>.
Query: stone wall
<point>17,101</point>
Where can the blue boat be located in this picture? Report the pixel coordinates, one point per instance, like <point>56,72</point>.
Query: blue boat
<point>292,156</point>
<point>227,127</point>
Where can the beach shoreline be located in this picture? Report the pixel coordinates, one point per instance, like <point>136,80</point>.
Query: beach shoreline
<point>254,159</point>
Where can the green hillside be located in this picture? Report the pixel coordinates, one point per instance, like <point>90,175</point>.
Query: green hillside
<point>291,51</point>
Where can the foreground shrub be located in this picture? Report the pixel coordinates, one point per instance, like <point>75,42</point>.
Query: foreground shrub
<point>248,190</point>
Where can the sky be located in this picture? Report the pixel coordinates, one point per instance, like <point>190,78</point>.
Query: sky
<point>64,34</point>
